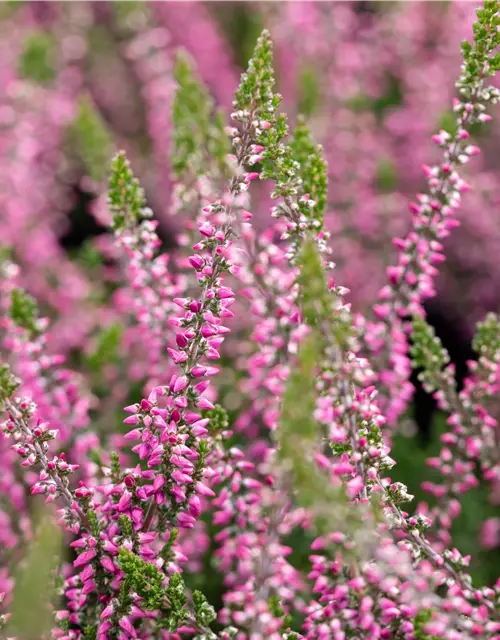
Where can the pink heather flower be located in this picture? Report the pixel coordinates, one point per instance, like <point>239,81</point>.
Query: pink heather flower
<point>490,533</point>
<point>206,229</point>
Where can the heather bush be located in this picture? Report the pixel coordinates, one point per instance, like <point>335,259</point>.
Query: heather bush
<point>197,423</point>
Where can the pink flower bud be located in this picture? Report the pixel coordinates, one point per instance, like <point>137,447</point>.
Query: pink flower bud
<point>198,371</point>
<point>180,384</point>
<point>85,558</point>
<point>177,356</point>
<point>196,262</point>
<point>126,625</point>
<point>206,229</point>
<point>203,403</point>
<point>107,612</point>
<point>225,292</point>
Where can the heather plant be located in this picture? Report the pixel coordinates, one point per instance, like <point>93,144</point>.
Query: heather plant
<point>268,407</point>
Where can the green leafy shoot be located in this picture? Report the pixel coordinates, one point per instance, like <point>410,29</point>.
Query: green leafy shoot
<point>255,93</point>
<point>130,14</point>
<point>486,342</point>
<point>145,579</point>
<point>200,143</point>
<point>106,350</point>
<point>299,437</point>
<point>126,197</point>
<point>315,298</point>
<point>219,419</point>
<point>313,168</point>
<point>428,354</point>
<point>24,311</point>
<point>37,60</point>
<point>298,432</point>
<point>34,591</point>
<point>486,40</point>
<point>8,382</point>
<point>91,138</point>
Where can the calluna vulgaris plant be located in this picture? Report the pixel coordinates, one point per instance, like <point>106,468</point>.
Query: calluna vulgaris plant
<point>309,452</point>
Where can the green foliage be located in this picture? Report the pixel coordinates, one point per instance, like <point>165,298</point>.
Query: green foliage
<point>241,25</point>
<point>199,138</point>
<point>299,437</point>
<point>106,350</point>
<point>427,353</point>
<point>126,197</point>
<point>90,137</point>
<point>93,522</point>
<point>298,431</point>
<point>204,613</point>
<point>116,473</point>
<point>24,311</point>
<point>219,419</point>
<point>448,122</point>
<point>421,619</point>
<point>8,382</point>
<point>315,299</point>
<point>296,168</point>
<point>167,551</point>
<point>486,342</point>
<point>175,592</point>
<point>35,585</point>
<point>144,578</point>
<point>392,97</point>
<point>479,58</point>
<point>129,13</point>
<point>387,175</point>
<point>147,581</point>
<point>89,256</point>
<point>36,61</point>
<point>255,92</point>
<point>126,526</point>
<point>90,633</point>
<point>278,163</point>
<point>309,90</point>
<point>278,612</point>
<point>313,168</point>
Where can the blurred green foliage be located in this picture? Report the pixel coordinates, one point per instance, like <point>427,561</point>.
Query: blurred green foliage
<point>107,348</point>
<point>35,590</point>
<point>313,167</point>
<point>24,311</point>
<point>37,61</point>
<point>309,91</point>
<point>387,175</point>
<point>199,138</point>
<point>91,140</point>
<point>241,26</point>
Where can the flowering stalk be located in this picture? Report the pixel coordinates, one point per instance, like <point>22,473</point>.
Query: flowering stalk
<point>201,329</point>
<point>411,280</point>
<point>31,444</point>
<point>153,286</point>
<point>472,437</point>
